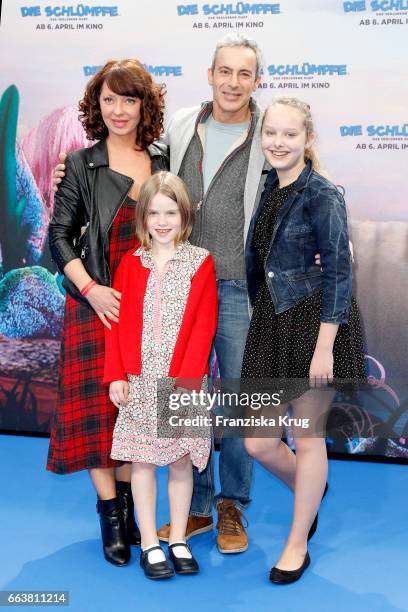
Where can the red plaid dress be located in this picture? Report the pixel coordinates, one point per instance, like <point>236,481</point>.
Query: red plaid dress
<point>82,427</point>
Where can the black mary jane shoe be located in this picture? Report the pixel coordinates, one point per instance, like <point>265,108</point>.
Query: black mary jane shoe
<point>279,576</point>
<point>114,541</point>
<point>155,571</point>
<point>124,493</point>
<point>313,526</point>
<point>183,565</point>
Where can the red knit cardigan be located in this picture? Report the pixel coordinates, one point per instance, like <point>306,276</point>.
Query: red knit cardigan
<point>123,342</point>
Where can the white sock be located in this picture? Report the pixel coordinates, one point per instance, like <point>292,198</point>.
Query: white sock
<point>154,556</point>
<point>181,551</point>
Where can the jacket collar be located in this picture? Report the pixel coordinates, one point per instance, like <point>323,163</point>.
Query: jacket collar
<point>300,182</point>
<point>207,107</point>
<point>97,155</point>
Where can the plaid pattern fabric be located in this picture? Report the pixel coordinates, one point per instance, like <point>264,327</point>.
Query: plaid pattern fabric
<point>82,427</point>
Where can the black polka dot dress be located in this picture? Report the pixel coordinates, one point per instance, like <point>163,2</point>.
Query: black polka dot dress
<point>281,346</point>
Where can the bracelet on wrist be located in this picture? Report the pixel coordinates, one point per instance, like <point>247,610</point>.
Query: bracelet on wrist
<point>85,290</point>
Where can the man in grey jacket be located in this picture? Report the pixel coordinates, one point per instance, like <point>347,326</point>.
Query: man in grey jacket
<point>215,148</point>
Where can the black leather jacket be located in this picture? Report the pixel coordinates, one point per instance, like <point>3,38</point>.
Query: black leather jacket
<point>87,203</point>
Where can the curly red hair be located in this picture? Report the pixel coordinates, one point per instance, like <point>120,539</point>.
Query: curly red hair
<point>126,77</point>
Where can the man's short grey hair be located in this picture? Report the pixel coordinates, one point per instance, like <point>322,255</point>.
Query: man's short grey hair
<point>239,40</point>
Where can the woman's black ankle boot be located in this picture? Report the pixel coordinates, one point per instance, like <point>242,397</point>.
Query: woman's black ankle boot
<point>115,545</point>
<point>124,493</point>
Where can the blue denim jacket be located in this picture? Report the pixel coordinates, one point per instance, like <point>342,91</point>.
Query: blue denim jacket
<point>312,220</point>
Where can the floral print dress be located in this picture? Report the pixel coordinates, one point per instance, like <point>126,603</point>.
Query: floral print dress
<point>138,431</point>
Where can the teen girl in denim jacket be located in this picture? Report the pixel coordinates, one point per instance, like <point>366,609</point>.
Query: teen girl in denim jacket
<point>305,329</point>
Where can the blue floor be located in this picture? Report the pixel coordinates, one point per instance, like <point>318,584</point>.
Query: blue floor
<point>50,541</point>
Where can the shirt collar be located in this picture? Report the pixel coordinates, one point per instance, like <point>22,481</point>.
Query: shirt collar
<point>207,107</point>
<point>146,256</point>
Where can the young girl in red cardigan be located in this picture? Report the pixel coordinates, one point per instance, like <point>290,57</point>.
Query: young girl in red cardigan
<point>167,321</point>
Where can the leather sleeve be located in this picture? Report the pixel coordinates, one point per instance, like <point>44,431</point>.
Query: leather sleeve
<point>67,219</point>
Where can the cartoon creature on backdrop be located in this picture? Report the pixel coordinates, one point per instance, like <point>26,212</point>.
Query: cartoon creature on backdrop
<point>356,429</point>
<point>32,297</point>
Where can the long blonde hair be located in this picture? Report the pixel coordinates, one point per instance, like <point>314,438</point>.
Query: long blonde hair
<point>304,110</point>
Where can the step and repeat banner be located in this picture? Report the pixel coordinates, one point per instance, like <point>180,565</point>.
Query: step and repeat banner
<point>346,59</point>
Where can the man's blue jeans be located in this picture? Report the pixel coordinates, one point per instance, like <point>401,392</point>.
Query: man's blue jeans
<point>234,463</point>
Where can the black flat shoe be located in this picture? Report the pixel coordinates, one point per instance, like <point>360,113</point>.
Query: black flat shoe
<point>313,527</point>
<point>183,565</point>
<point>155,571</point>
<point>279,576</point>
<point>115,545</point>
<point>124,493</point>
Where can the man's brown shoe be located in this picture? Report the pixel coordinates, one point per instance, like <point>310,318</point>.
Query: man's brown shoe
<point>195,525</point>
<point>231,532</point>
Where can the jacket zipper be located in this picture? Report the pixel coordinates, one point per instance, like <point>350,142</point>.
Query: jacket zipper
<point>200,203</point>
<point>109,227</point>
<point>84,248</point>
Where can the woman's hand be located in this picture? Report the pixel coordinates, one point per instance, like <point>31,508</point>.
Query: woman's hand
<point>321,367</point>
<point>106,302</point>
<point>118,392</point>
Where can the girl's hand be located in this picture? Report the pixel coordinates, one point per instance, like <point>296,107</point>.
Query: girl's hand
<point>118,392</point>
<point>106,302</point>
<point>321,367</point>
<point>183,391</point>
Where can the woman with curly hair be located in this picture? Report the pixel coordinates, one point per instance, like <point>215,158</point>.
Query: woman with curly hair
<point>91,228</point>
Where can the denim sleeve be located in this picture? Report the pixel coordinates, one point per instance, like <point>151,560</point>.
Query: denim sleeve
<point>329,221</point>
